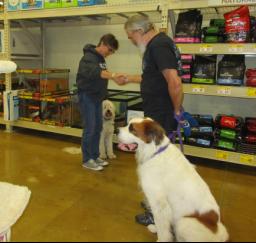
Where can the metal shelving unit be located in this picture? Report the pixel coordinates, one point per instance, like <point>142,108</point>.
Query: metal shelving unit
<point>221,155</point>
<point>44,128</point>
<point>219,49</point>
<point>211,9</point>
<point>221,91</point>
<point>167,9</point>
<point>85,11</point>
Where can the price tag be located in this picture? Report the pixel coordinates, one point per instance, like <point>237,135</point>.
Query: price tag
<point>214,3</point>
<point>224,91</point>
<point>248,159</point>
<point>198,89</point>
<point>222,155</point>
<point>236,48</point>
<point>251,92</point>
<point>206,49</point>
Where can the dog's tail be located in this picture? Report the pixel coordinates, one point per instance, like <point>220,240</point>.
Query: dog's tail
<point>191,230</point>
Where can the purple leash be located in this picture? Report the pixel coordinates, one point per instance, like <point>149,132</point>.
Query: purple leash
<point>172,136</point>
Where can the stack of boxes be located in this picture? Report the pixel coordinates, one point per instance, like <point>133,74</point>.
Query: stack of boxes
<point>248,143</point>
<point>16,5</point>
<point>215,33</point>
<point>187,62</point>
<point>228,132</point>
<point>46,97</point>
<point>202,135</point>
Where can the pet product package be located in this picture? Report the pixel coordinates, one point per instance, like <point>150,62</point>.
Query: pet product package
<point>238,25</point>
<point>31,4</point>
<point>231,70</point>
<point>188,28</point>
<point>11,105</point>
<point>229,122</point>
<point>204,70</point>
<point>251,77</point>
<point>13,5</point>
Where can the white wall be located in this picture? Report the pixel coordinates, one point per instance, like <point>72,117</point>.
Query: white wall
<point>65,49</point>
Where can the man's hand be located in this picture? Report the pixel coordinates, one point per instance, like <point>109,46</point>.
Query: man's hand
<point>120,79</point>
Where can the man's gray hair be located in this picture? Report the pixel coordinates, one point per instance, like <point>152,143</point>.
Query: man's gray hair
<point>139,22</point>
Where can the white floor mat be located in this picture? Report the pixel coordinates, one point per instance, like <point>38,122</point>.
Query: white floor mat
<point>13,202</point>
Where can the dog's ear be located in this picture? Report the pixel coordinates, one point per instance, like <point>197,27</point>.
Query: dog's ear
<point>153,132</point>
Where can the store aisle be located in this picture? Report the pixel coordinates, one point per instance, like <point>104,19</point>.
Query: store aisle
<point>70,203</point>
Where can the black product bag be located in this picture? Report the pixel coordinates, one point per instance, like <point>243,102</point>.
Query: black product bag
<point>204,69</point>
<point>231,70</point>
<point>188,28</point>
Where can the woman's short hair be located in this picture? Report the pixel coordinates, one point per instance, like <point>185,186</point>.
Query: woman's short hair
<point>109,40</point>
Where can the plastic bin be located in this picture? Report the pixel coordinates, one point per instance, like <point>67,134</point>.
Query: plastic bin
<point>56,111</point>
<point>29,108</point>
<point>45,82</point>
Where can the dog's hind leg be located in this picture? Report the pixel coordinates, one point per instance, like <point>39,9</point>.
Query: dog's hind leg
<point>109,144</point>
<point>191,230</point>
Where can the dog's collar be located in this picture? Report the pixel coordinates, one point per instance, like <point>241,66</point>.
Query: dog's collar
<point>160,150</point>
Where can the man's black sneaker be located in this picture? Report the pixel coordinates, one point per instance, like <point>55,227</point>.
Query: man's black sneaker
<point>145,219</point>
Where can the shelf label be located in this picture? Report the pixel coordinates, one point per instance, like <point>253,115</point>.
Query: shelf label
<point>251,92</point>
<point>215,3</point>
<point>236,48</point>
<point>224,91</point>
<point>206,49</point>
<point>198,89</point>
<point>222,155</point>
<point>248,159</point>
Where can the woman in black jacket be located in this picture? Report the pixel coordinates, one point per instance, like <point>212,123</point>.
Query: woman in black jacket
<point>92,81</point>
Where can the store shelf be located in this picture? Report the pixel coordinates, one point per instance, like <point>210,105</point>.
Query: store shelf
<point>26,57</point>
<point>1,16</point>
<point>84,11</point>
<point>222,91</point>
<point>187,4</point>
<point>3,56</point>
<point>233,49</point>
<point>221,155</point>
<point>213,154</point>
<point>44,128</point>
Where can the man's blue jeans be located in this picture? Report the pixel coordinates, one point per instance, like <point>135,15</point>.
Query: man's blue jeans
<point>91,113</point>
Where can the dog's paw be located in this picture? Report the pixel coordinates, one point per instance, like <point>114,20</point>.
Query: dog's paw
<point>152,228</point>
<point>112,156</point>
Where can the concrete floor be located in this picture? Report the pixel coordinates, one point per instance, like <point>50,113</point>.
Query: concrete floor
<point>70,203</point>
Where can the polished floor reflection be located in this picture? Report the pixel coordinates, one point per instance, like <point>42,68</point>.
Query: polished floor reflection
<point>70,203</point>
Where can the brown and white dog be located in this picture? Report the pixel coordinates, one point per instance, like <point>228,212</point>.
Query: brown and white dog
<point>181,202</point>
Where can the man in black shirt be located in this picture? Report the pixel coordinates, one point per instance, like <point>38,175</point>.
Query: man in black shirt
<point>161,85</point>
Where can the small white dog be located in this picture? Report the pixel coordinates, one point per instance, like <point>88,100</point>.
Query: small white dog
<point>106,140</point>
<point>182,204</point>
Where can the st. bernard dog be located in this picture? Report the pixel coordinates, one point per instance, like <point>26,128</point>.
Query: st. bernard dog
<point>182,204</point>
